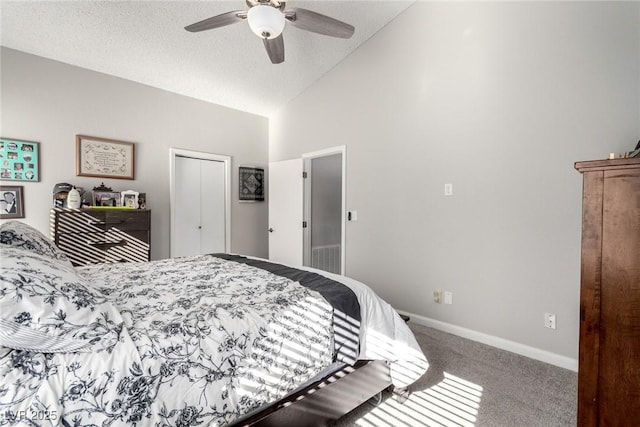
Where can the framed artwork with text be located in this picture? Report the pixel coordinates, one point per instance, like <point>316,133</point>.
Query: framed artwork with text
<point>105,158</point>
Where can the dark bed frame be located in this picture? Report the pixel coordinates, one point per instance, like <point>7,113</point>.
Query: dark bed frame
<point>326,400</point>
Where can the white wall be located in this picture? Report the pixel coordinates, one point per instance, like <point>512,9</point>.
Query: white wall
<point>51,102</point>
<point>499,99</point>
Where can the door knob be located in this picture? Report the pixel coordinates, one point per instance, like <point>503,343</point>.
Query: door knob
<point>270,230</point>
<point>199,227</point>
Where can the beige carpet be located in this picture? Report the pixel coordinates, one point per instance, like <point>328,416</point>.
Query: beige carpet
<point>472,384</point>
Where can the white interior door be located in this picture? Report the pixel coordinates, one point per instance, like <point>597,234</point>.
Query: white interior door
<point>200,202</point>
<point>212,206</point>
<point>187,207</point>
<point>285,211</point>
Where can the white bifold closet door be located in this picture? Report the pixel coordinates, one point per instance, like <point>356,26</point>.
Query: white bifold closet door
<point>199,207</point>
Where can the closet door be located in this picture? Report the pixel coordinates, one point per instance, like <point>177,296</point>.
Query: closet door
<point>200,207</point>
<point>212,206</point>
<point>187,207</point>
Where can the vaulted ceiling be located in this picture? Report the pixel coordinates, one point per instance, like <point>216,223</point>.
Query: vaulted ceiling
<point>145,41</point>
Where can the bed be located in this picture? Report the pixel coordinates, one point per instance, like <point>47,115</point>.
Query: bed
<point>217,339</point>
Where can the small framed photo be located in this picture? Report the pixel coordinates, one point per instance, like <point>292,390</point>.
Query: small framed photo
<point>20,160</point>
<point>251,184</point>
<point>129,199</point>
<point>105,158</point>
<point>106,198</point>
<point>12,202</point>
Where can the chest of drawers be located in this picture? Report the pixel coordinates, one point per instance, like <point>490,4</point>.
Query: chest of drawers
<point>95,236</point>
<point>609,357</point>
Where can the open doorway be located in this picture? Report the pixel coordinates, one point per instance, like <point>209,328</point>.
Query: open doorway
<point>324,197</point>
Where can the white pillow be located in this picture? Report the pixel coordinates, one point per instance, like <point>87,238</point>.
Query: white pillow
<point>19,234</point>
<point>41,295</point>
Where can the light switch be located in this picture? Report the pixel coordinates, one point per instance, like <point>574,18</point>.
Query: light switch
<point>448,297</point>
<point>352,215</point>
<point>448,189</point>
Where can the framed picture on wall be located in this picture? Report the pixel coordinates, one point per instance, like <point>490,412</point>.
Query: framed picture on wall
<point>20,160</point>
<point>105,158</point>
<point>251,184</point>
<point>11,202</point>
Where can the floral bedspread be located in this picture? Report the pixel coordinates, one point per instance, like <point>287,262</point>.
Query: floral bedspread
<point>203,341</point>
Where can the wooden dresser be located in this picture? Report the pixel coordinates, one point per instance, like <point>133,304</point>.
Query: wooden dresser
<point>609,361</point>
<point>92,236</point>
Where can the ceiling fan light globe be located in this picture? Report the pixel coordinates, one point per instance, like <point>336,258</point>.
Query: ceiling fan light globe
<point>266,21</point>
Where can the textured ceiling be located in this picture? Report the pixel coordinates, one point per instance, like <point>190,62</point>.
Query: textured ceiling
<point>145,41</point>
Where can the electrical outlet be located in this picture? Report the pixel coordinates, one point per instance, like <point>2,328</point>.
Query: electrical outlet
<point>437,297</point>
<point>550,320</point>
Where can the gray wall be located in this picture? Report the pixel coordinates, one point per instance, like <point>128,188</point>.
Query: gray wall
<point>51,102</point>
<point>326,200</point>
<point>499,99</point>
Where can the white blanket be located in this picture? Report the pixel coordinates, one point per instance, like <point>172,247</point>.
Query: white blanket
<point>383,333</point>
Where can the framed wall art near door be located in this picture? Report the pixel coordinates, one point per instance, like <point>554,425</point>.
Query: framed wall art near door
<point>11,202</point>
<point>251,184</point>
<point>19,160</point>
<point>105,158</point>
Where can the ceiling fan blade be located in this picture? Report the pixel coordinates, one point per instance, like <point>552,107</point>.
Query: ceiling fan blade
<point>218,21</point>
<point>318,23</point>
<point>275,49</point>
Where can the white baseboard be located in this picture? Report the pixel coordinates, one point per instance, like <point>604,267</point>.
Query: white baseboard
<point>501,343</point>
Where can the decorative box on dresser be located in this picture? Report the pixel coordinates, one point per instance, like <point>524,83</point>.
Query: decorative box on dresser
<point>609,359</point>
<point>92,236</point>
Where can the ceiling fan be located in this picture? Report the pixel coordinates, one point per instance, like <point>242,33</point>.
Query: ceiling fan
<point>267,19</point>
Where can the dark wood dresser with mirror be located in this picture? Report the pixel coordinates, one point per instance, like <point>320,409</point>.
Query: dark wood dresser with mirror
<point>609,359</point>
<point>92,236</point>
